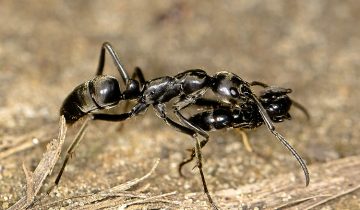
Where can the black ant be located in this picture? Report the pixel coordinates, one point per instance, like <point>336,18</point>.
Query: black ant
<point>276,102</point>
<point>103,92</point>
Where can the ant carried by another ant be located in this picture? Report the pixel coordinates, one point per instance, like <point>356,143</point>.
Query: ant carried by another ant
<point>236,106</point>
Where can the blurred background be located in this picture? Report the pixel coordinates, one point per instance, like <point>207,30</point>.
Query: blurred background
<point>49,47</point>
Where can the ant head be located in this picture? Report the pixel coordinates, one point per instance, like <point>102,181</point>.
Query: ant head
<point>105,91</point>
<point>276,102</point>
<point>132,90</point>
<point>231,88</point>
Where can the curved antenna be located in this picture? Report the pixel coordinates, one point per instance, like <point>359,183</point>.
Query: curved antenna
<point>107,46</point>
<point>257,83</point>
<point>301,108</point>
<point>295,154</point>
<point>271,127</point>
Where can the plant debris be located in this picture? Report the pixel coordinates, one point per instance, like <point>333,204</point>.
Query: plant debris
<point>35,180</point>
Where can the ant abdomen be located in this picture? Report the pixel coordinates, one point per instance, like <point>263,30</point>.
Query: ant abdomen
<point>99,93</point>
<point>213,120</point>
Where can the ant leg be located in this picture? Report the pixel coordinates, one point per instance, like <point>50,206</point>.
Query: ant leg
<point>186,161</point>
<point>271,128</point>
<point>160,111</point>
<point>182,104</point>
<point>197,130</point>
<point>199,165</point>
<point>107,46</point>
<point>107,117</point>
<point>198,155</point>
<point>204,102</point>
<point>192,156</point>
<point>190,125</point>
<point>140,107</point>
<point>245,140</point>
<point>79,136</point>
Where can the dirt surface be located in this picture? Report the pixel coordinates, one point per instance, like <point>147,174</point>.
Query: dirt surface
<point>49,47</point>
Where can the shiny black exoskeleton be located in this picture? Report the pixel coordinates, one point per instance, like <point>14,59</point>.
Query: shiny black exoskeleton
<point>274,99</point>
<point>184,89</point>
<point>98,93</point>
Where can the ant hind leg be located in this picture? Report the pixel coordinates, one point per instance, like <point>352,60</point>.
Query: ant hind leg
<point>71,149</point>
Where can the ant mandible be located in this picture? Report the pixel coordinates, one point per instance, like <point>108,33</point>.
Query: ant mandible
<point>103,92</point>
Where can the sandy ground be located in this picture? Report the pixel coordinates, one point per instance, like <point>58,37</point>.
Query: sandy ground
<point>49,47</point>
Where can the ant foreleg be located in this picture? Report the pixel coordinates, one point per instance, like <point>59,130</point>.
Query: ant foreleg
<point>192,156</point>
<point>198,147</point>
<point>190,125</point>
<point>244,138</point>
<point>160,111</point>
<point>140,107</point>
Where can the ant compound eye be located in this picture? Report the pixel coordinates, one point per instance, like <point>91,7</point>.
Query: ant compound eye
<point>106,91</point>
<point>234,92</point>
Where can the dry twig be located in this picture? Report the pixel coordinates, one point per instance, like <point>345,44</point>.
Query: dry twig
<point>12,145</point>
<point>35,179</point>
<point>115,196</point>
<point>329,181</point>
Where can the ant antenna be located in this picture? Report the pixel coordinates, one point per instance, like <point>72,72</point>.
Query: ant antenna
<point>301,108</point>
<point>107,46</point>
<point>271,127</point>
